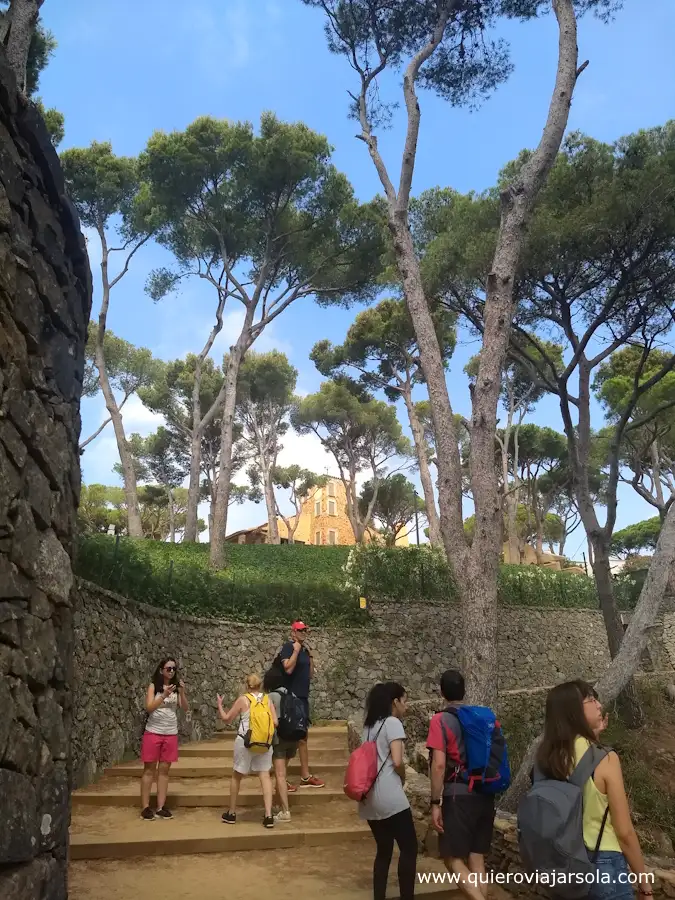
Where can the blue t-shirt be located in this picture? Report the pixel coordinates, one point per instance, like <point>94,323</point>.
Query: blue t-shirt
<point>298,681</point>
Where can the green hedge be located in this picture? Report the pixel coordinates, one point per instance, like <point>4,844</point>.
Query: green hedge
<point>272,583</point>
<point>259,585</point>
<point>422,573</point>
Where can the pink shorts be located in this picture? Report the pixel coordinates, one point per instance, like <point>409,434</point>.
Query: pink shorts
<point>159,748</point>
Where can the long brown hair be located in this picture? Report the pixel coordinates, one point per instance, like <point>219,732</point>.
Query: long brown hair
<point>565,721</point>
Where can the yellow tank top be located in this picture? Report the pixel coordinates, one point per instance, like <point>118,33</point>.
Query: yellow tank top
<point>595,804</point>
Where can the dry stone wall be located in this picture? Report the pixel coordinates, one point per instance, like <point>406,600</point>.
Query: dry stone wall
<point>118,643</point>
<point>45,297</point>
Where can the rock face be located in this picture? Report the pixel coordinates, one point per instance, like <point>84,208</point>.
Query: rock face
<point>45,297</point>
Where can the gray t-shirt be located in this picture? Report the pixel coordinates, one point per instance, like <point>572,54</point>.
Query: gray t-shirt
<point>387,797</point>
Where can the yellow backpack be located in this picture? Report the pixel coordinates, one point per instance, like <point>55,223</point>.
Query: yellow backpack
<point>258,738</point>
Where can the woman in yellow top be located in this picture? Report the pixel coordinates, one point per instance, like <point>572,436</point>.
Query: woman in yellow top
<point>574,721</point>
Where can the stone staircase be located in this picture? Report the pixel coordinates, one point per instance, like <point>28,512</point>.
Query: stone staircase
<point>106,825</point>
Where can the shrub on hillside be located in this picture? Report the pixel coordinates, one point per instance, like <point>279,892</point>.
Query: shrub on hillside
<point>422,573</point>
<point>399,573</point>
<point>176,577</point>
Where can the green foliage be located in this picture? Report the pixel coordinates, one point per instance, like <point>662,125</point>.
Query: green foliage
<point>263,583</point>
<point>54,120</point>
<point>400,573</point>
<point>534,586</point>
<point>130,369</point>
<point>358,430</point>
<point>103,185</point>
<point>639,536</point>
<point>394,507</point>
<point>103,507</point>
<point>422,573</point>
<point>381,345</point>
<point>272,203</point>
<point>526,526</point>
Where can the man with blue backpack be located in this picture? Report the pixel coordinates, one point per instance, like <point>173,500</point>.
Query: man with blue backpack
<point>468,765</point>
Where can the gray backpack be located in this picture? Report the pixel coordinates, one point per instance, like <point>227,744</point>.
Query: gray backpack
<point>550,829</point>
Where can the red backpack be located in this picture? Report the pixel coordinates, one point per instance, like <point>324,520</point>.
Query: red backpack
<point>362,771</point>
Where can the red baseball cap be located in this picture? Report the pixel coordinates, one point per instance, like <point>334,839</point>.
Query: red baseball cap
<point>298,626</point>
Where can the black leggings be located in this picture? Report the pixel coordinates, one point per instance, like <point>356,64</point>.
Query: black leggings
<point>399,828</point>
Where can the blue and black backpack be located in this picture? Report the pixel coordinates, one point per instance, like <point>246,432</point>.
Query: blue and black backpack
<point>487,760</point>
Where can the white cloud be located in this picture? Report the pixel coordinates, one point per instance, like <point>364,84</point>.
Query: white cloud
<point>220,37</point>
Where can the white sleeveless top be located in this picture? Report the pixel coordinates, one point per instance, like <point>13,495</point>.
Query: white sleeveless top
<point>164,720</point>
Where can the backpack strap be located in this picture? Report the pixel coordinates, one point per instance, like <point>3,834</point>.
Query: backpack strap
<point>587,765</point>
<point>451,772</point>
<point>384,722</point>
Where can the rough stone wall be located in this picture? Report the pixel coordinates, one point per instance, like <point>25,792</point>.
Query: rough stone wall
<point>119,642</point>
<point>45,295</point>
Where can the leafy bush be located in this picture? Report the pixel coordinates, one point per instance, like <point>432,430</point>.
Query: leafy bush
<point>422,573</point>
<point>534,586</point>
<point>260,585</point>
<point>269,583</point>
<point>399,573</point>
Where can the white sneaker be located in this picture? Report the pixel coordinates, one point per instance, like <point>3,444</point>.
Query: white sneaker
<point>283,816</point>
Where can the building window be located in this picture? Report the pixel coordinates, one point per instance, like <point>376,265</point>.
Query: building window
<point>317,507</point>
<point>332,508</point>
<point>317,538</point>
<point>331,488</point>
<point>332,536</point>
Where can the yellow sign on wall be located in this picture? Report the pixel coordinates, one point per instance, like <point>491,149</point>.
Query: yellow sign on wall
<point>363,602</point>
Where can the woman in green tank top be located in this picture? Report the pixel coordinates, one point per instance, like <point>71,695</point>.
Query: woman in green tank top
<point>574,721</point>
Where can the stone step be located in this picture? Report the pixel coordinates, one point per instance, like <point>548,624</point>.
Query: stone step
<point>118,833</point>
<point>196,792</point>
<point>337,731</point>
<point>194,877</point>
<point>320,750</point>
<point>208,767</point>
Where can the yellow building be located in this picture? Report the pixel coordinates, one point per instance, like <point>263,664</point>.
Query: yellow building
<point>323,521</point>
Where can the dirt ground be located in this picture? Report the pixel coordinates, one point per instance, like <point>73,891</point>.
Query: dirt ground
<point>320,873</point>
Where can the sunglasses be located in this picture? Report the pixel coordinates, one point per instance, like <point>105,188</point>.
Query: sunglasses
<point>301,630</point>
<point>169,668</point>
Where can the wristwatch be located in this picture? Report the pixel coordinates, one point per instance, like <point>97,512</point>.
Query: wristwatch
<point>437,802</point>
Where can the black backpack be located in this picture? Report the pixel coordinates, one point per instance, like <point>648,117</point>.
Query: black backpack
<point>293,722</point>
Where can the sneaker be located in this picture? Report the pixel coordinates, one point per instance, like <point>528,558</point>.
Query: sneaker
<point>312,782</point>
<point>268,822</point>
<point>229,818</point>
<point>291,788</point>
<point>164,813</point>
<point>147,814</point>
<point>283,816</point>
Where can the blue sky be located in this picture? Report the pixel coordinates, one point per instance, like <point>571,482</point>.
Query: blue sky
<point>125,69</point>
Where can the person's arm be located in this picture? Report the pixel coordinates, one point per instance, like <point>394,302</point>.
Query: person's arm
<point>290,663</point>
<point>609,770</point>
<point>273,713</point>
<point>396,750</point>
<point>182,697</point>
<point>153,701</point>
<point>436,744</point>
<point>238,707</point>
<point>311,664</point>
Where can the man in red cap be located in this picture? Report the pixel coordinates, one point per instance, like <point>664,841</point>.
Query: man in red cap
<point>298,663</point>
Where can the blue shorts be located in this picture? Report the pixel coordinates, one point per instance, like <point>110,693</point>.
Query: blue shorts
<point>610,865</point>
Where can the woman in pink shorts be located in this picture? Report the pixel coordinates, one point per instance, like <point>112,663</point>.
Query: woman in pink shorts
<point>159,747</point>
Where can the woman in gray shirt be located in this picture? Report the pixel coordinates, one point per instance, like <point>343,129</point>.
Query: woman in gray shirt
<point>386,807</point>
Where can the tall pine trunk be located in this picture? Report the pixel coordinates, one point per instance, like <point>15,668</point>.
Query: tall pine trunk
<point>270,503</point>
<point>475,570</point>
<point>192,512</point>
<point>435,536</point>
<point>217,553</point>
<point>628,700</point>
<point>172,515</point>
<point>134,524</point>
